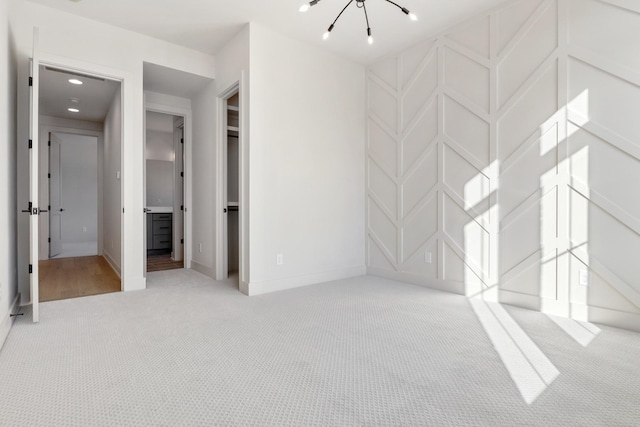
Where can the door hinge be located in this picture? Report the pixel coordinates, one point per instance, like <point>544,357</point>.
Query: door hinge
<point>49,175</point>
<point>30,81</point>
<point>181,173</point>
<point>49,239</point>
<point>31,143</point>
<point>122,210</point>
<point>181,140</point>
<point>49,143</point>
<point>30,268</point>
<point>181,207</point>
<point>182,241</point>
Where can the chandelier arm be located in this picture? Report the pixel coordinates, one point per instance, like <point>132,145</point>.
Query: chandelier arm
<point>340,14</point>
<point>366,16</point>
<point>404,9</point>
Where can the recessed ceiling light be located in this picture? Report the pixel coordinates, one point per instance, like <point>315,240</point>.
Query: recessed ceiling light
<point>75,81</point>
<point>73,110</point>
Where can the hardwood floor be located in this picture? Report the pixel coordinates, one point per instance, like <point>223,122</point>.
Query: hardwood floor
<point>162,262</point>
<point>76,277</point>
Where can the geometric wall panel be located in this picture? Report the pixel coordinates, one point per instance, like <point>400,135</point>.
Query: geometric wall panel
<point>610,101</point>
<point>412,58</point>
<point>512,18</point>
<point>386,71</point>
<point>420,228</point>
<point>537,105</point>
<point>385,231</point>
<point>416,142</point>
<point>617,30</point>
<point>467,129</point>
<point>467,182</point>
<point>420,182</point>
<point>383,105</point>
<point>536,45</point>
<point>523,175</point>
<point>424,85</point>
<point>467,77</point>
<point>591,159</point>
<point>382,146</point>
<point>473,36</point>
<point>382,186</point>
<point>493,173</point>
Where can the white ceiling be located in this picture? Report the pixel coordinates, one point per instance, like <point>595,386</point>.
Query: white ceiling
<point>94,96</point>
<point>207,25</point>
<point>173,82</point>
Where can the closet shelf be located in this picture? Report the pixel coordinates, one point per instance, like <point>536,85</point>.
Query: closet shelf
<point>233,128</point>
<point>232,204</point>
<point>232,108</point>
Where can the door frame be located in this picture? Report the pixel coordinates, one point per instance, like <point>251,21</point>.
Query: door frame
<point>187,194</point>
<point>127,166</point>
<point>220,196</point>
<point>46,129</point>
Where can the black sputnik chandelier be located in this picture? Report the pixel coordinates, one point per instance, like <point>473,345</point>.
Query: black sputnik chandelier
<point>360,4</point>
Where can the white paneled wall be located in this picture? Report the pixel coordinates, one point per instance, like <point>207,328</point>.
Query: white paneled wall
<point>502,158</point>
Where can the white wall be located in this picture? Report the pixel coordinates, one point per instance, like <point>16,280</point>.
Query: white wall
<point>8,207</point>
<point>159,154</point>
<point>71,41</point>
<point>306,170</point>
<point>232,68</point>
<point>79,188</point>
<point>472,162</point>
<point>112,184</point>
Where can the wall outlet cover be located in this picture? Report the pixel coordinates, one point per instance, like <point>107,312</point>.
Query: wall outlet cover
<point>583,279</point>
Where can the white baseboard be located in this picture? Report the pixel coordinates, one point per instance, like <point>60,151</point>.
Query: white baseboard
<point>112,263</point>
<point>414,279</point>
<point>201,268</point>
<point>7,321</point>
<point>275,285</point>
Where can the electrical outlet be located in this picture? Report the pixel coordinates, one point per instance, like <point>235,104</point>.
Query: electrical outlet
<point>583,279</point>
<point>279,259</point>
<point>200,247</point>
<point>84,229</point>
<point>427,257</point>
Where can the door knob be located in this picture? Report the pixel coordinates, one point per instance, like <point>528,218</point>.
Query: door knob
<point>61,210</point>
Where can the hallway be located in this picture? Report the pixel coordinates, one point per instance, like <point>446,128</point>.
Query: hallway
<point>76,277</point>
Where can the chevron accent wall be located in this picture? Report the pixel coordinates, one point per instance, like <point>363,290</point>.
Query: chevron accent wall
<point>502,157</point>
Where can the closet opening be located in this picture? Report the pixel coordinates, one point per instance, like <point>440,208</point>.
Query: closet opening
<point>232,187</point>
<point>164,189</point>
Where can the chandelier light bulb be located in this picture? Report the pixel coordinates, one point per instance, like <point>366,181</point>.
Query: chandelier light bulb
<point>326,35</point>
<point>413,17</point>
<point>304,7</point>
<point>370,40</point>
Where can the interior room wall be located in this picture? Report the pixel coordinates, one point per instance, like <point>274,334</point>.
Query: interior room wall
<point>8,207</point>
<point>79,195</point>
<point>306,170</point>
<point>497,154</point>
<point>159,154</point>
<point>113,51</point>
<point>112,184</point>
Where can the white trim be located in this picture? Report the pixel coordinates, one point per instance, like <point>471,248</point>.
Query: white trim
<point>275,285</point>
<point>7,322</point>
<point>201,268</point>
<point>414,279</point>
<point>112,263</point>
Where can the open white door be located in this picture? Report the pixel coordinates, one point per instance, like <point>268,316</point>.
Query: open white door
<point>33,180</point>
<point>55,203</point>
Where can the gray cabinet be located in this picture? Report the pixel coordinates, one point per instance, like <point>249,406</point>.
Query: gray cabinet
<point>159,233</point>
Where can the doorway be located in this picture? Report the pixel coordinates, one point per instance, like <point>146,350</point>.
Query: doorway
<point>79,172</point>
<point>164,189</point>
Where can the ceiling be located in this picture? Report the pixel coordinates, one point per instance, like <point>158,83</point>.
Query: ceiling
<point>207,25</point>
<point>93,97</point>
<point>169,81</point>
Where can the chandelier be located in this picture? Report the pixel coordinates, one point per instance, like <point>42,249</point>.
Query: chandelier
<point>359,4</point>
